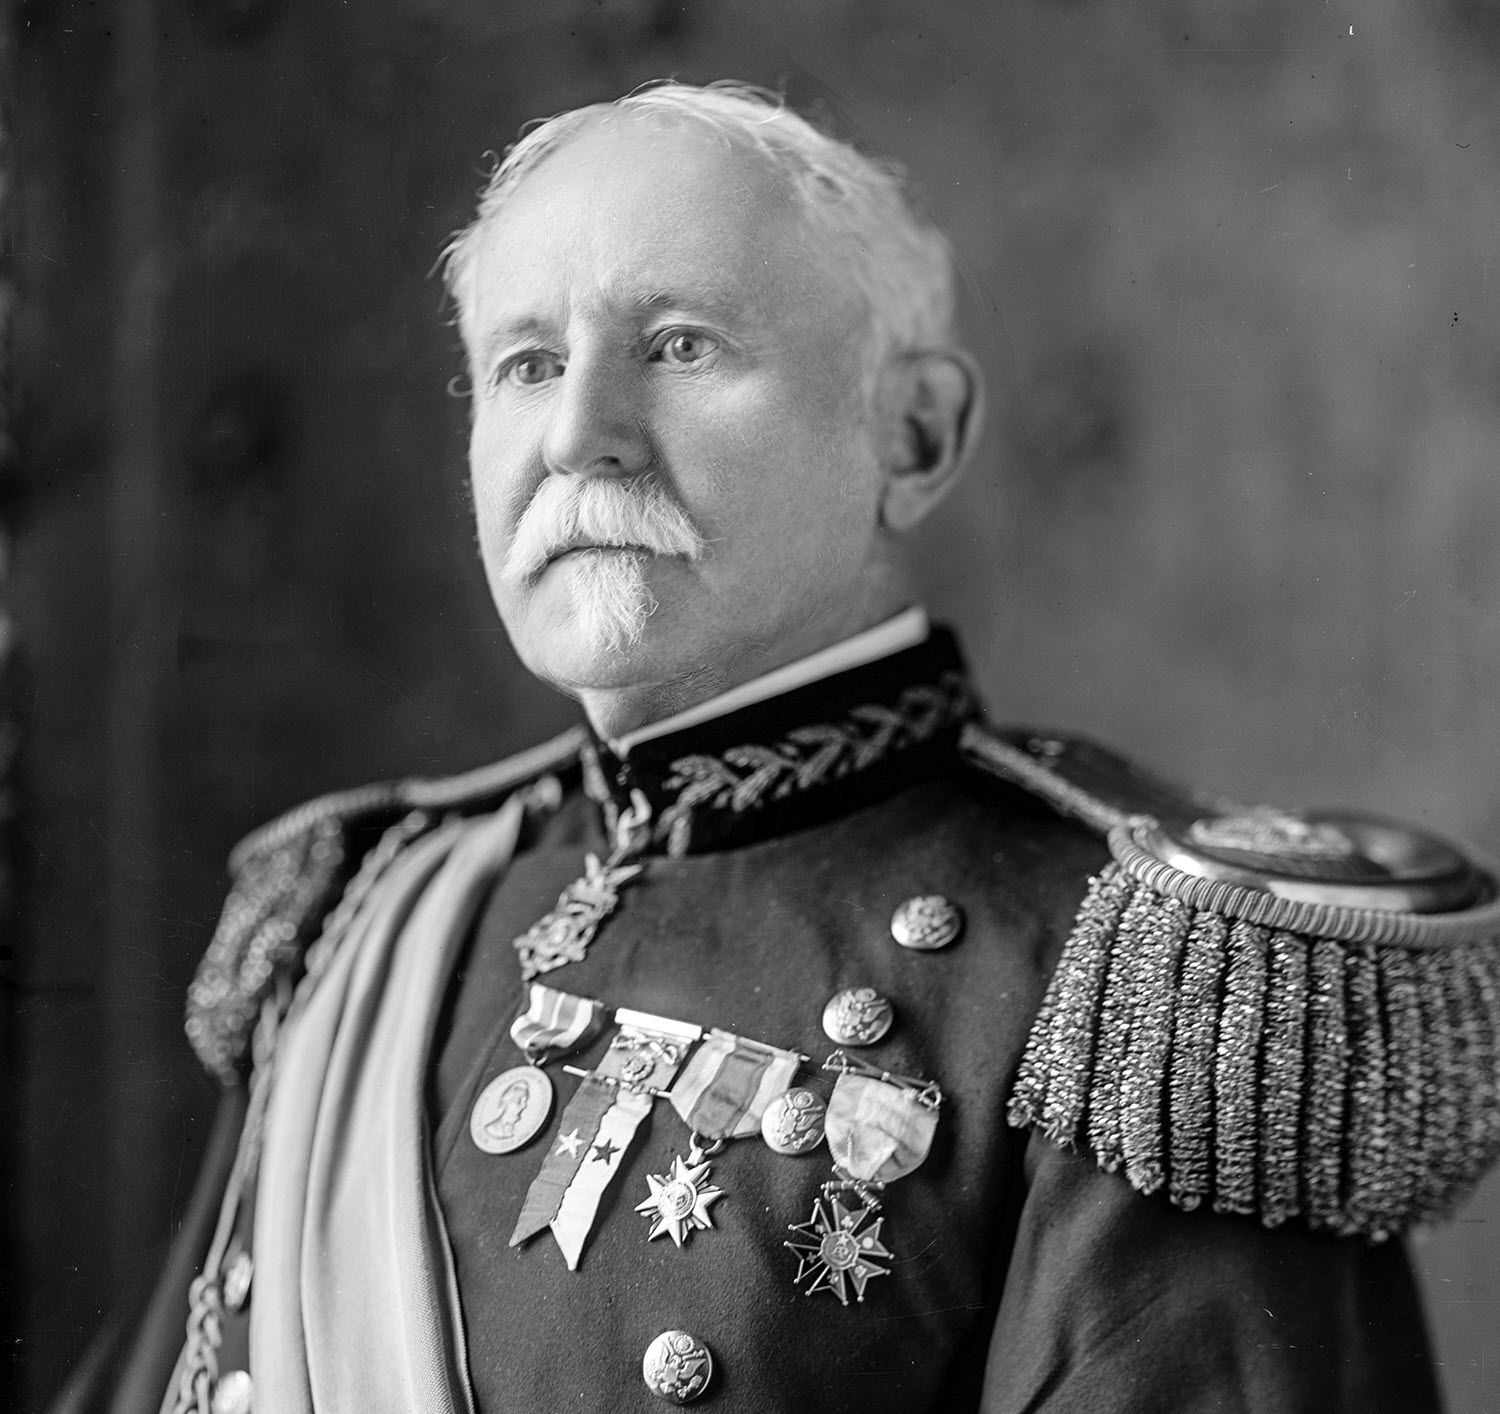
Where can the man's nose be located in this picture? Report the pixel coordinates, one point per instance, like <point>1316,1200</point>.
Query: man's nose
<point>597,425</point>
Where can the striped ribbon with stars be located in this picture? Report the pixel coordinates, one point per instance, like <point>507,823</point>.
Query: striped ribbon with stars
<point>597,1127</point>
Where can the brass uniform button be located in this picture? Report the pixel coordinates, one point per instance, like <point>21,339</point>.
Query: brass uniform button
<point>677,1367</point>
<point>859,1016</point>
<point>927,922</point>
<point>232,1393</point>
<point>793,1122</point>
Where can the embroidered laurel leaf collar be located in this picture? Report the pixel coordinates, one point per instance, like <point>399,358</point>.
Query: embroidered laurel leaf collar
<point>805,756</point>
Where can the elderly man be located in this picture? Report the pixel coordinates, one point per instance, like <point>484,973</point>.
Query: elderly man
<point>919,1042</point>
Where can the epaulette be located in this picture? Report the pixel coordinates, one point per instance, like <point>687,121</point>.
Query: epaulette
<point>300,875</point>
<point>1281,1014</point>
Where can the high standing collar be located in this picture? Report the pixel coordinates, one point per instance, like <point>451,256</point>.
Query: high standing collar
<point>904,630</point>
<point>789,761</point>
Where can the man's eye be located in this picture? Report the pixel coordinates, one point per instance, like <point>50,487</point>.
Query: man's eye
<point>684,346</point>
<point>531,368</point>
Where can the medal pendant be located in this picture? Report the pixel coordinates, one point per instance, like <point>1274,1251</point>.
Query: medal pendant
<point>597,1129</point>
<point>839,1248</point>
<point>511,1109</point>
<point>563,935</point>
<point>879,1128</point>
<point>679,1201</point>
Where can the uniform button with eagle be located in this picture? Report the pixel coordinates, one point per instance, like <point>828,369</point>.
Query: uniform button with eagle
<point>793,1122</point>
<point>859,1016</point>
<point>927,922</point>
<point>677,1367</point>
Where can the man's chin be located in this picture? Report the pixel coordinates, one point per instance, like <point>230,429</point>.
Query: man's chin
<point>590,622</point>
<point>578,656</point>
<point>584,668</point>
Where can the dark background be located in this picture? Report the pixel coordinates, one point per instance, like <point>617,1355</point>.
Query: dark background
<point>1227,264</point>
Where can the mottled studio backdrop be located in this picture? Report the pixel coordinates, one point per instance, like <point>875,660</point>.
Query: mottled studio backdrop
<point>1227,264</point>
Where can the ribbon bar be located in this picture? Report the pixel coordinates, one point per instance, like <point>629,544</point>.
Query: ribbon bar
<point>646,1051</point>
<point>598,1127</point>
<point>723,1091</point>
<point>928,1092</point>
<point>555,1023</point>
<point>878,1132</point>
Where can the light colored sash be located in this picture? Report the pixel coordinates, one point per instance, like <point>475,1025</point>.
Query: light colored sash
<point>356,1304</point>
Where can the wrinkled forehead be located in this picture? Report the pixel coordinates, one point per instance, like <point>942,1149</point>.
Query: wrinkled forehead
<point>639,207</point>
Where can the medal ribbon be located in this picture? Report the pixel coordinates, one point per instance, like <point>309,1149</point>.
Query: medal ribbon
<point>597,1127</point>
<point>555,1023</point>
<point>878,1132</point>
<point>723,1091</point>
<point>600,1162</point>
<point>576,1133</point>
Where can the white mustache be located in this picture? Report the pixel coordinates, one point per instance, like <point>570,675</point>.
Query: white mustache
<point>569,511</point>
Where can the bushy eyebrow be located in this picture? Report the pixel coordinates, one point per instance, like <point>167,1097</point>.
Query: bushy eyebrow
<point>714,304</point>
<point>509,333</point>
<point>707,303</point>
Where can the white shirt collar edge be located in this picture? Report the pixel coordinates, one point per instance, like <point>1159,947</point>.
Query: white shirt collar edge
<point>905,629</point>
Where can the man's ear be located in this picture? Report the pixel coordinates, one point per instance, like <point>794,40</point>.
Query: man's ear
<point>931,410</point>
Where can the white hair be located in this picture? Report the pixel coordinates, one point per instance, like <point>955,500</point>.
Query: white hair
<point>567,511</point>
<point>611,598</point>
<point>899,261</point>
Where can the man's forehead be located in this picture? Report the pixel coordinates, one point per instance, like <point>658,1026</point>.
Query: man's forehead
<point>645,217</point>
<point>621,164</point>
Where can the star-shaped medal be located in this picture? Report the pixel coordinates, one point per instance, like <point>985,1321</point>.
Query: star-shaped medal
<point>837,1250</point>
<point>679,1201</point>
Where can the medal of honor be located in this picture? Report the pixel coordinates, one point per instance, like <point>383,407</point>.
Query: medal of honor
<point>722,1094</point>
<point>563,934</point>
<point>597,1128</point>
<point>879,1128</point>
<point>512,1109</point>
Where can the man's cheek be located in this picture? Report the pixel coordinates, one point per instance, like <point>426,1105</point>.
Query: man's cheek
<point>498,503</point>
<point>495,530</point>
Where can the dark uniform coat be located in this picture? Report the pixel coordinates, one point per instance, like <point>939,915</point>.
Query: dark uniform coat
<point>1023,1277</point>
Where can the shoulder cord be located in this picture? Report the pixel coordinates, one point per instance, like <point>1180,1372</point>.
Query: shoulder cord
<point>190,1390</point>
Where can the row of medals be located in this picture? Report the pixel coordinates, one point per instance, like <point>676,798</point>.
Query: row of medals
<point>839,1248</point>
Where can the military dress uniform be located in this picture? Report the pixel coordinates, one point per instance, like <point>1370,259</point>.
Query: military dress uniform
<point>1159,1076</point>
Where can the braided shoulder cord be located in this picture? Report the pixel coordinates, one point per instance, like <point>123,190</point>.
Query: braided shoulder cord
<point>190,1390</point>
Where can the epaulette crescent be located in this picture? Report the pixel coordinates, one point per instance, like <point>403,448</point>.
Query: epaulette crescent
<point>1286,1015</point>
<point>290,876</point>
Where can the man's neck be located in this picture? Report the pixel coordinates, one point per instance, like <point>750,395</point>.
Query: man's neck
<point>617,715</point>
<point>902,630</point>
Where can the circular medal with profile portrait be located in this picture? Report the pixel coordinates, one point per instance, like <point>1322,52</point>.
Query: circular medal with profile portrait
<point>511,1109</point>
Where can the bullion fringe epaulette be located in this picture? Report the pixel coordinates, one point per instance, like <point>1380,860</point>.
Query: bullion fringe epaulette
<point>1227,1024</point>
<point>289,877</point>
